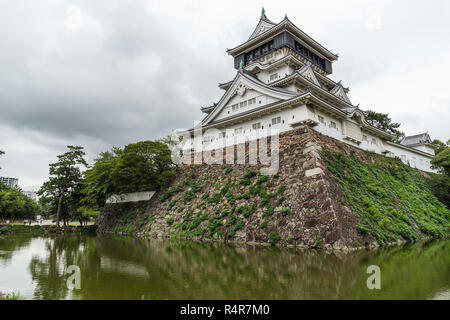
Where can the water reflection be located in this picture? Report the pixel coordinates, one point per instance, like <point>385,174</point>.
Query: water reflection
<point>126,268</point>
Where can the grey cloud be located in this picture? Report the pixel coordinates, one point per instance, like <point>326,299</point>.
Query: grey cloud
<point>136,70</point>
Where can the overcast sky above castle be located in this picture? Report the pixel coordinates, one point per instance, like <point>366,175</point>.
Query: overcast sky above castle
<point>123,71</point>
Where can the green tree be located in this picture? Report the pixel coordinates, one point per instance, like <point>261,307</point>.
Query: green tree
<point>158,157</point>
<point>141,166</point>
<point>441,146</point>
<point>441,161</point>
<point>383,122</point>
<point>14,205</point>
<point>65,179</point>
<point>97,182</point>
<point>440,183</point>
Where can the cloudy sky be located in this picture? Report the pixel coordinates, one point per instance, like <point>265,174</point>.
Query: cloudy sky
<point>106,73</point>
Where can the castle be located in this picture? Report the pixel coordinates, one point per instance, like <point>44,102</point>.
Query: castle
<point>282,82</point>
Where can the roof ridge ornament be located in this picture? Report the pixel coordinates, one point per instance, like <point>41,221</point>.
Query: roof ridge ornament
<point>263,13</point>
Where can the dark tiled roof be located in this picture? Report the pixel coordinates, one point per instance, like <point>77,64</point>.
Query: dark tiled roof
<point>423,138</point>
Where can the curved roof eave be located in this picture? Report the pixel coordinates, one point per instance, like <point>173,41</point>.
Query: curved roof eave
<point>256,82</point>
<point>299,76</point>
<point>286,24</point>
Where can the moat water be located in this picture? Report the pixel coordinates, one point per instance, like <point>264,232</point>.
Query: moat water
<point>117,267</point>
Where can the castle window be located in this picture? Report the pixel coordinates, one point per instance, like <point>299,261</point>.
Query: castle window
<point>333,125</point>
<point>256,125</point>
<point>273,76</point>
<point>238,130</point>
<point>374,141</point>
<point>243,104</point>
<point>234,107</point>
<point>365,138</point>
<point>321,119</point>
<point>252,101</point>
<point>276,120</point>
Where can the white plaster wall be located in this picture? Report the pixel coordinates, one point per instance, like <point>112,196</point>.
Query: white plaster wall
<point>415,160</point>
<point>264,76</point>
<point>410,157</point>
<point>425,149</point>
<point>325,128</point>
<point>261,100</point>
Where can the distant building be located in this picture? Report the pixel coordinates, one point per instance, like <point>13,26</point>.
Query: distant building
<point>30,194</point>
<point>12,182</point>
<point>420,142</point>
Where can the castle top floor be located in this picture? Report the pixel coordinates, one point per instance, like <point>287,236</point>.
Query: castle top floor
<point>269,37</point>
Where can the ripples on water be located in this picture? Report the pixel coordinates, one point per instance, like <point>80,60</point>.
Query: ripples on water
<point>114,267</point>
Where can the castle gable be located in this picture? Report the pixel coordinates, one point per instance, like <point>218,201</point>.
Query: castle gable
<point>308,73</point>
<point>263,26</point>
<point>246,93</point>
<point>339,92</point>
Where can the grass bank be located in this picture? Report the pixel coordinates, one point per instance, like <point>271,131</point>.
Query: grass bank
<point>392,200</point>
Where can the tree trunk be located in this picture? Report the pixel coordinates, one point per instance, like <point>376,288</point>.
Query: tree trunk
<point>59,208</point>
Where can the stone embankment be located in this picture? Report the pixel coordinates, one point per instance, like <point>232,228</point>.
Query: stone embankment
<point>303,205</point>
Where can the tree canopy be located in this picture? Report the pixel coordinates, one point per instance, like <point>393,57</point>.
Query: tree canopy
<point>14,205</point>
<point>140,166</point>
<point>440,183</point>
<point>384,122</point>
<point>441,161</point>
<point>63,189</point>
<point>441,146</point>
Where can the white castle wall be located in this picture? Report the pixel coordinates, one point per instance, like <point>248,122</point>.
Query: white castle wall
<point>261,100</point>
<point>213,138</point>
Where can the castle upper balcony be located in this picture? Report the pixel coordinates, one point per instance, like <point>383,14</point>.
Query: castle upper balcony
<point>269,37</point>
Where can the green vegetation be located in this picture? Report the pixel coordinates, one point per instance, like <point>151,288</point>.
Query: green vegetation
<point>237,227</point>
<point>14,205</point>
<point>274,238</point>
<point>319,242</point>
<point>393,201</point>
<point>382,121</point>
<point>12,296</point>
<point>216,214</point>
<point>262,179</point>
<point>440,146</point>
<point>285,212</point>
<point>63,190</point>
<point>141,166</point>
<point>440,183</point>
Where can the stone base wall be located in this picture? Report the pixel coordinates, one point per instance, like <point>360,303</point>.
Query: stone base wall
<point>318,214</point>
